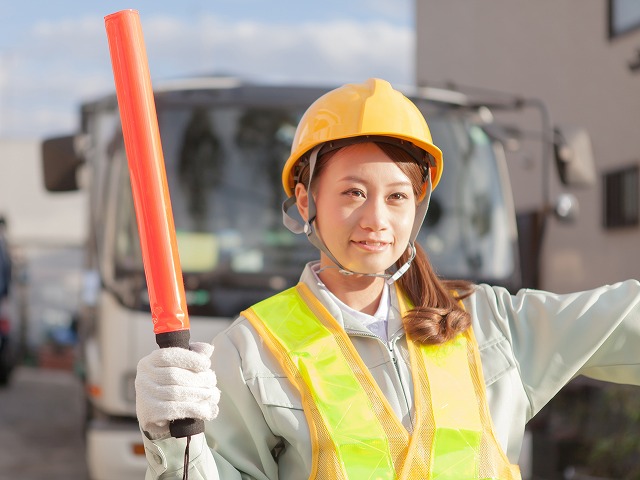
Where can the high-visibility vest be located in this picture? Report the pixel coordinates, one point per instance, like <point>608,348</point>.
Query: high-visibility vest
<point>355,434</point>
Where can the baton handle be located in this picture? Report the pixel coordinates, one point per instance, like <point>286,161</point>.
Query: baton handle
<point>183,427</point>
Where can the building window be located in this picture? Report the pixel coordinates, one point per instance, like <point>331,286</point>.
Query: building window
<point>624,16</point>
<point>621,199</point>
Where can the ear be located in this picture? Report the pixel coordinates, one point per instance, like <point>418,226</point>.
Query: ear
<point>302,201</point>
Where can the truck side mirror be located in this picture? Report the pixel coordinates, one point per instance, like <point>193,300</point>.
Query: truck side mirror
<point>574,156</point>
<point>60,164</point>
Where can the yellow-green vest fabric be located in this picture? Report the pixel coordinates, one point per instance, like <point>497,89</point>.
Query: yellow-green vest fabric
<point>355,433</point>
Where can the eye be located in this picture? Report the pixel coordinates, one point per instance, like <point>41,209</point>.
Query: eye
<point>354,192</point>
<point>398,196</point>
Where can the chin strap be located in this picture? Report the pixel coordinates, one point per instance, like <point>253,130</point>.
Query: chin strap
<point>389,277</point>
<point>308,228</point>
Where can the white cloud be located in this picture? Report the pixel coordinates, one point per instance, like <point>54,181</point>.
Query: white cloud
<point>61,63</point>
<point>330,51</point>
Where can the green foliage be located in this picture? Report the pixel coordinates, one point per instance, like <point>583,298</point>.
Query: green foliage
<point>615,431</point>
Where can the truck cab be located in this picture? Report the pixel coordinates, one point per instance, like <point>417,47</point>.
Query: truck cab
<point>224,144</point>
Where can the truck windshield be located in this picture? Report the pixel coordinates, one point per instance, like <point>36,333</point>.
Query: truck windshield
<point>223,169</point>
<point>469,231</point>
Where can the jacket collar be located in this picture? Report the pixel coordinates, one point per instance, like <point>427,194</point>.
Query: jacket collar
<point>350,324</point>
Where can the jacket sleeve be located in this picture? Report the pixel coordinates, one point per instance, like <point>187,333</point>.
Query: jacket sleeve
<point>165,460</point>
<point>555,338</point>
<point>237,445</point>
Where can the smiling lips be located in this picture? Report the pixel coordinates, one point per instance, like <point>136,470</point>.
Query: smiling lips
<point>370,245</point>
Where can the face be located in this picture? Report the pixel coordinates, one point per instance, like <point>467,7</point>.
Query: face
<point>365,208</point>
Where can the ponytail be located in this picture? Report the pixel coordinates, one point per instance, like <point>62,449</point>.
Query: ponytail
<point>437,315</point>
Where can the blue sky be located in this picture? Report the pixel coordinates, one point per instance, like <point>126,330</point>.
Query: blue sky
<point>53,55</point>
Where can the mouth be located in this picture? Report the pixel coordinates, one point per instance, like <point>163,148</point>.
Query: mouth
<point>371,245</point>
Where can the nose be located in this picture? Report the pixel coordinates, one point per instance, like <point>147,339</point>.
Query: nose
<point>374,215</point>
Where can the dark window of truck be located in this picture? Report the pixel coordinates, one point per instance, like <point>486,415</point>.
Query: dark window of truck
<point>621,200</point>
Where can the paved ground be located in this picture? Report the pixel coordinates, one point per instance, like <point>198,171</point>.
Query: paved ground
<point>41,426</point>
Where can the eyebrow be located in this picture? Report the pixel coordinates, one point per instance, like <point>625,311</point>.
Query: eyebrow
<point>352,178</point>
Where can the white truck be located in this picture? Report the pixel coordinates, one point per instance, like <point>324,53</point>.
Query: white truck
<point>224,144</point>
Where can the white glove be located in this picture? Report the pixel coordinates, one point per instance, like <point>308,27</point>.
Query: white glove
<point>173,383</point>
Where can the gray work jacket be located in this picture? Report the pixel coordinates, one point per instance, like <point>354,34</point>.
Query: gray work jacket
<point>531,345</point>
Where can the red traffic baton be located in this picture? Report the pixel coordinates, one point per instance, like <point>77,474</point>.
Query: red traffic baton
<point>150,189</point>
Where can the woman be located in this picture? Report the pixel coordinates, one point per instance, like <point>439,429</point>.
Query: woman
<point>372,367</point>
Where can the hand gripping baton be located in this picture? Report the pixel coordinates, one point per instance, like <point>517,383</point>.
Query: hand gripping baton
<point>150,190</point>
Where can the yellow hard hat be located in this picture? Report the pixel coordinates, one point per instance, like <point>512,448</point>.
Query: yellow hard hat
<point>356,110</point>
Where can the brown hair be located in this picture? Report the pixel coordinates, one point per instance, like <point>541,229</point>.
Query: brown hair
<point>437,315</point>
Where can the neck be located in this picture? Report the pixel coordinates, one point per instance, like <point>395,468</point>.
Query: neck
<point>360,292</point>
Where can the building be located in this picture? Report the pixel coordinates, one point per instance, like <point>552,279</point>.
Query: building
<point>582,58</point>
